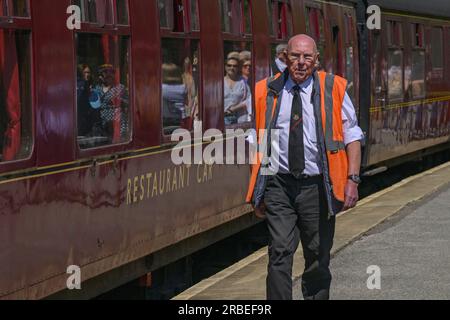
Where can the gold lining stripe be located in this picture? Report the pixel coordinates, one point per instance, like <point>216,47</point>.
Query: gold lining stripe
<point>100,163</point>
<point>415,16</point>
<point>334,4</point>
<point>408,104</point>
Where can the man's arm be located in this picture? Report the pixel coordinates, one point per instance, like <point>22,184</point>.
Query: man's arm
<point>354,166</point>
<point>353,136</point>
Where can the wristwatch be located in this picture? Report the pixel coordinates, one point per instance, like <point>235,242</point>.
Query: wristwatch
<point>355,178</point>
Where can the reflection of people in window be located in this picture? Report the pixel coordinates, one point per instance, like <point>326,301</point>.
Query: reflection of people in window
<point>175,96</point>
<point>237,94</point>
<point>395,82</point>
<point>279,64</point>
<point>111,98</point>
<point>192,97</point>
<point>86,115</point>
<point>245,59</point>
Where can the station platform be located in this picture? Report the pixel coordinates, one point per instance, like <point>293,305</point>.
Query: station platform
<point>404,230</point>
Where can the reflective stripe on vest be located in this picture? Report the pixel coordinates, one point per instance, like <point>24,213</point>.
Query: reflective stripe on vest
<point>332,96</point>
<point>332,145</point>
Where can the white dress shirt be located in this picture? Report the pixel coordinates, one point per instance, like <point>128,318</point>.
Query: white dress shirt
<point>280,149</point>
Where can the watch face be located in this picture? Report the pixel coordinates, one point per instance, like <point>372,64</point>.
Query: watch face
<point>355,179</point>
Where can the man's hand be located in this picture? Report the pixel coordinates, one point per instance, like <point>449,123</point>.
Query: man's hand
<point>260,211</point>
<point>351,195</point>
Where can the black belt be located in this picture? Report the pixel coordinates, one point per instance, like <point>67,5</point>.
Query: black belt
<point>303,177</point>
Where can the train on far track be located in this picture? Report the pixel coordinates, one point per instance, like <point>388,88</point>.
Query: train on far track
<point>87,112</point>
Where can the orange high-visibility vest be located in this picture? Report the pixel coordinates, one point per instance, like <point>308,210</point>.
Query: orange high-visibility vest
<point>332,93</point>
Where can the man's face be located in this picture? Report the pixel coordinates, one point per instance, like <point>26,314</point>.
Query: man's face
<point>302,59</point>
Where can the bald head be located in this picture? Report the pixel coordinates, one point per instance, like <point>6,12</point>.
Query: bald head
<point>302,57</point>
<point>304,40</point>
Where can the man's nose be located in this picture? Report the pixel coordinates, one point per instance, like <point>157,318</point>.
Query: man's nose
<point>301,60</point>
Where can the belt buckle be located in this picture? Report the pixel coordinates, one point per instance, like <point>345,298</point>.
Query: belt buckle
<point>300,176</point>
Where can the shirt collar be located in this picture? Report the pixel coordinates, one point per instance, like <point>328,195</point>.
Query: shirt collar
<point>305,87</point>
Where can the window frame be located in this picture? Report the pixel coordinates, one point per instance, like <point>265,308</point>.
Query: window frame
<point>187,24</point>
<point>395,41</point>
<point>321,39</point>
<point>9,21</point>
<point>276,20</point>
<point>418,29</point>
<point>191,35</point>
<point>242,38</point>
<point>110,28</point>
<point>437,73</point>
<point>274,40</point>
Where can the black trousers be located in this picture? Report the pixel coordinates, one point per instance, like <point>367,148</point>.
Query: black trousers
<point>296,210</point>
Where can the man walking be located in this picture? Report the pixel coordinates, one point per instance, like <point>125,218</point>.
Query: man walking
<point>314,167</point>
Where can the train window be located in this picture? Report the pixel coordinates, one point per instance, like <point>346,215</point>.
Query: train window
<point>247,17</point>
<point>180,84</point>
<point>417,35</point>
<point>195,24</point>
<point>395,34</point>
<point>236,16</point>
<point>238,64</point>
<point>281,31</point>
<point>16,137</point>
<point>348,28</point>
<point>395,74</point>
<point>418,74</point>
<point>88,10</point>
<point>237,82</point>
<point>102,75</point>
<point>122,12</point>
<point>270,12</point>
<point>15,8</point>
<point>180,67</point>
<point>280,19</point>
<point>102,89</point>
<point>349,55</point>
<point>437,51</point>
<point>315,28</point>
<point>349,71</point>
<point>284,17</point>
<point>165,14</point>
<point>21,8</point>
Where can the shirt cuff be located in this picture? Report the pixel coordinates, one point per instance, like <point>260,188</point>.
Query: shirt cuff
<point>354,134</point>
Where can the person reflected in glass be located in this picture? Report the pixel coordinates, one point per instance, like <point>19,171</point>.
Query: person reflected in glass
<point>192,96</point>
<point>245,59</point>
<point>280,62</point>
<point>86,115</point>
<point>175,97</point>
<point>237,93</point>
<point>110,97</point>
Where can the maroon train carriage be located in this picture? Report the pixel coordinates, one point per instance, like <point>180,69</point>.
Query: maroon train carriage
<point>86,176</point>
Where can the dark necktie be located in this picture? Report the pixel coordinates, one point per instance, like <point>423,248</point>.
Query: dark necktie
<point>296,145</point>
